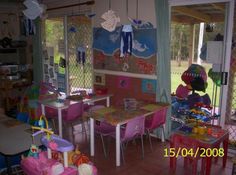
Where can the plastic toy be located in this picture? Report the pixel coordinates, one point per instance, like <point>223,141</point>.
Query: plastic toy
<point>34,151</point>
<point>73,156</point>
<point>38,163</point>
<point>87,169</point>
<point>43,164</point>
<point>34,93</point>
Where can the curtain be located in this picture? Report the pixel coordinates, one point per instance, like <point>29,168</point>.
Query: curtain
<point>163,57</point>
<point>37,53</point>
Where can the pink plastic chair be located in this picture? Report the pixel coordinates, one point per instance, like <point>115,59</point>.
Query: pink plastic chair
<point>48,92</point>
<point>157,120</point>
<point>74,115</point>
<point>134,128</point>
<point>101,128</point>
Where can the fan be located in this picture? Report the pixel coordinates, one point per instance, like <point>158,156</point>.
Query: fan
<point>34,9</point>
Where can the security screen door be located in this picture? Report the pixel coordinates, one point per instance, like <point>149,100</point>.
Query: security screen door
<point>79,40</point>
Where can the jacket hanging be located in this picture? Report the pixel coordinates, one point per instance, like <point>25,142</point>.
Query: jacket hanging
<point>126,40</point>
<point>80,55</point>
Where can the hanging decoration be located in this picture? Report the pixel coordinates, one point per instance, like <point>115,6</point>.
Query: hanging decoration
<point>34,9</point>
<point>129,39</point>
<point>72,29</point>
<point>126,42</point>
<point>29,27</point>
<point>110,18</point>
<point>140,24</point>
<point>81,55</point>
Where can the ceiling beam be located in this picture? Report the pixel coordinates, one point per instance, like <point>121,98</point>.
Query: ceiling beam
<point>72,5</point>
<point>184,20</point>
<point>220,7</point>
<point>190,20</point>
<point>192,13</point>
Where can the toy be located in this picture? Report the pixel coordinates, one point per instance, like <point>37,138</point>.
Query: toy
<point>33,94</point>
<point>81,160</point>
<point>87,169</point>
<point>44,164</point>
<point>34,151</point>
<point>73,156</point>
<point>193,106</point>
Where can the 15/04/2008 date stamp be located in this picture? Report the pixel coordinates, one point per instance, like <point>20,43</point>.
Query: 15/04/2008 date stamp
<point>190,152</point>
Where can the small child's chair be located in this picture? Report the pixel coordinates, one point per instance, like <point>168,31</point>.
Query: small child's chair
<point>74,115</point>
<point>134,128</point>
<point>157,120</point>
<point>101,127</point>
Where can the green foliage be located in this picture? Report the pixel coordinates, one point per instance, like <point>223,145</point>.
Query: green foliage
<point>54,31</point>
<point>180,33</point>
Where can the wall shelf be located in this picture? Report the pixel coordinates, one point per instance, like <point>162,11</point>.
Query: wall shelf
<point>8,50</point>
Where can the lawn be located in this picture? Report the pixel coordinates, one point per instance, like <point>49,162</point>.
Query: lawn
<point>177,71</point>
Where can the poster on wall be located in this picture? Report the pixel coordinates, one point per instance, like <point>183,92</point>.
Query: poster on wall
<point>45,68</point>
<point>45,54</point>
<point>48,66</point>
<point>46,79</point>
<point>61,81</point>
<point>123,82</point>
<point>51,73</point>
<point>99,79</point>
<point>51,59</point>
<point>149,86</point>
<point>56,67</point>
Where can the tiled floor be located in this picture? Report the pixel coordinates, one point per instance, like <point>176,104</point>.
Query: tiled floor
<point>154,163</point>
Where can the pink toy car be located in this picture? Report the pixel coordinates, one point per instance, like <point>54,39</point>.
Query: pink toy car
<point>45,166</point>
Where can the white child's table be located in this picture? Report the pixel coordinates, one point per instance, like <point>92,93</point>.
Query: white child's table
<point>15,138</point>
<point>55,104</point>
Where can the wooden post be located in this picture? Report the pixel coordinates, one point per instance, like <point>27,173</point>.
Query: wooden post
<point>191,44</point>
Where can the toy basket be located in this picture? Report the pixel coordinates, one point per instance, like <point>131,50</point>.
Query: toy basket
<point>130,104</point>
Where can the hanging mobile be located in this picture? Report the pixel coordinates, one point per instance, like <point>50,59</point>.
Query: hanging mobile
<point>72,28</point>
<point>110,18</point>
<point>81,55</point>
<point>136,22</point>
<point>126,38</point>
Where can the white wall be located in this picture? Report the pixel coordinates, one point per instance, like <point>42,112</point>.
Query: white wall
<point>146,10</point>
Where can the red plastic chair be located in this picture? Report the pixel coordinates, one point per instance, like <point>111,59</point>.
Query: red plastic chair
<point>157,120</point>
<point>187,144</point>
<point>73,116</point>
<point>134,128</point>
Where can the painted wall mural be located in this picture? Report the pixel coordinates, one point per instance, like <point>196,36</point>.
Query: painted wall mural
<point>107,51</point>
<point>130,64</point>
<point>144,41</point>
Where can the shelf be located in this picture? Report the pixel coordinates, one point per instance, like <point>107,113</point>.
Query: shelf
<point>8,50</point>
